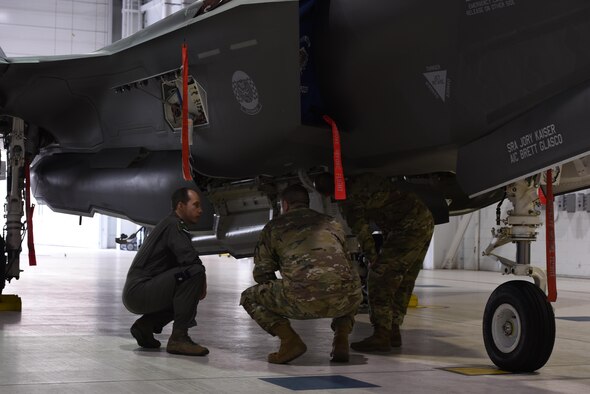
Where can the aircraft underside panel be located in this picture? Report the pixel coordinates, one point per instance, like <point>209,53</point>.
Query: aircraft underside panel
<point>418,75</point>
<point>252,89</point>
<point>127,183</point>
<point>553,132</point>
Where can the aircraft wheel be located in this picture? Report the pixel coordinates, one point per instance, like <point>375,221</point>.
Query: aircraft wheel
<point>518,327</point>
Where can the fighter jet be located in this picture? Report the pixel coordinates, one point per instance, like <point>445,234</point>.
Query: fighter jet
<point>467,102</point>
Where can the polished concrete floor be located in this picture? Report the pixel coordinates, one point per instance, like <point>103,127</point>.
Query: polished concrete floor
<point>72,336</point>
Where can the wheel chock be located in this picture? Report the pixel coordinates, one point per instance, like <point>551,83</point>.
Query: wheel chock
<point>10,302</point>
<point>413,301</point>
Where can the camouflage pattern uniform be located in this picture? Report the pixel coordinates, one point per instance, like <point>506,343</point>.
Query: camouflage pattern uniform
<point>407,226</point>
<point>318,279</point>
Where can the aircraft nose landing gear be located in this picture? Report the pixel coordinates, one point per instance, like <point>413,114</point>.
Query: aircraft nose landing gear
<point>518,321</point>
<point>11,243</point>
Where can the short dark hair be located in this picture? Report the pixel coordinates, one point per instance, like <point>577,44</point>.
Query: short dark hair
<point>295,194</point>
<point>180,195</point>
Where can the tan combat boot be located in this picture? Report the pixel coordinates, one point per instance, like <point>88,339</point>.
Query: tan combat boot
<point>342,329</point>
<point>380,341</point>
<point>180,343</point>
<point>396,336</point>
<point>291,344</point>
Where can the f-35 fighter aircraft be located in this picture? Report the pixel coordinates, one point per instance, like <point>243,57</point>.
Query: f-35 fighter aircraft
<point>466,101</point>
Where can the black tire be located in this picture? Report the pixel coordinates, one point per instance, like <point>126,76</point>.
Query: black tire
<point>518,327</point>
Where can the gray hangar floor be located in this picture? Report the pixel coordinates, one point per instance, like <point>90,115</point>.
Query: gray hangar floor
<point>72,336</point>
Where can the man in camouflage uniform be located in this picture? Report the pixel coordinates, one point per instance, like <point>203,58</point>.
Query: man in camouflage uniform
<point>167,279</point>
<point>318,279</point>
<point>407,226</point>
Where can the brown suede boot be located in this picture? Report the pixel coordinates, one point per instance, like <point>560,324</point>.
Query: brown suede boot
<point>291,344</point>
<point>142,331</point>
<point>378,342</point>
<point>342,329</point>
<point>180,343</point>
<point>396,336</point>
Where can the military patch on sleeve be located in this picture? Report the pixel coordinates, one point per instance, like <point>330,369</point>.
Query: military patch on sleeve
<point>182,227</point>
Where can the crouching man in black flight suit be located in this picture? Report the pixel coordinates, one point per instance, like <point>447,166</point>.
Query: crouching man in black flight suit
<point>167,279</point>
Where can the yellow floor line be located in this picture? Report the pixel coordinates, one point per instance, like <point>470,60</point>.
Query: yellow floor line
<point>476,371</point>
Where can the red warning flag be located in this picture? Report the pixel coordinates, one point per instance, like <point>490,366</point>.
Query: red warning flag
<point>542,198</point>
<point>339,184</point>
<point>550,241</point>
<point>29,215</point>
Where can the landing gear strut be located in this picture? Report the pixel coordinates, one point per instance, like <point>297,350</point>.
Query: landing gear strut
<point>15,146</point>
<point>518,321</point>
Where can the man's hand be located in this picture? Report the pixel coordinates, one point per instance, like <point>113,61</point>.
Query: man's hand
<point>264,277</point>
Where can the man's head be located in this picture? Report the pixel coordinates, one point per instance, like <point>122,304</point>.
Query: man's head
<point>294,196</point>
<point>187,205</point>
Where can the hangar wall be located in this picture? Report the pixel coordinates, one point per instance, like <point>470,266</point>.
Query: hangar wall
<point>54,27</point>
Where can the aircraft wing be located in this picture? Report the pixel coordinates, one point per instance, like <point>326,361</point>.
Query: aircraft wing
<point>109,118</point>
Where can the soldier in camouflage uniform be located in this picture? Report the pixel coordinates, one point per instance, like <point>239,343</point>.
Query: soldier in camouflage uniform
<point>318,279</point>
<point>407,226</point>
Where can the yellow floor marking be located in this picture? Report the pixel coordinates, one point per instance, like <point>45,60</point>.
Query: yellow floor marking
<point>476,371</point>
